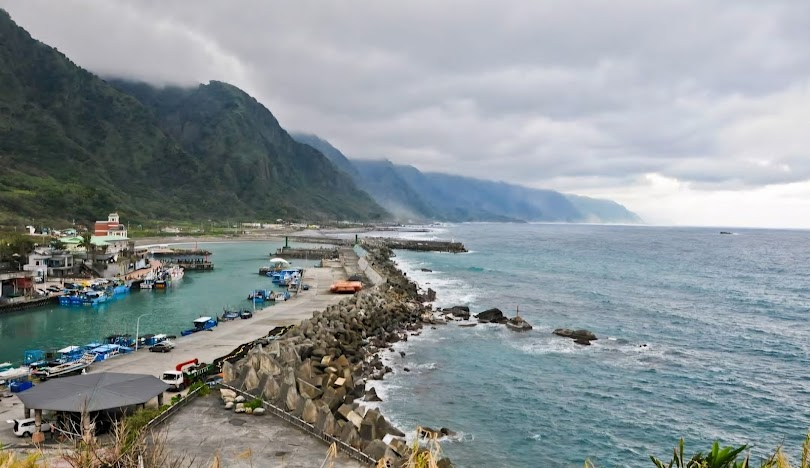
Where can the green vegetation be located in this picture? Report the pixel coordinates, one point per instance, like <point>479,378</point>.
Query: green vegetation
<point>253,404</point>
<point>74,147</point>
<point>201,388</point>
<point>731,457</point>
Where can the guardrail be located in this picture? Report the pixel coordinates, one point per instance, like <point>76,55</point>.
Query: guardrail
<point>308,428</point>
<point>159,419</point>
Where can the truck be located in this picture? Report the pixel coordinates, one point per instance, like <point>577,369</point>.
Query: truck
<point>186,373</point>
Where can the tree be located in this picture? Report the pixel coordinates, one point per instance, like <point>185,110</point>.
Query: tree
<point>89,247</point>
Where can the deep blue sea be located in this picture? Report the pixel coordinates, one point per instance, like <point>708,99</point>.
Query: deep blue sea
<point>723,318</point>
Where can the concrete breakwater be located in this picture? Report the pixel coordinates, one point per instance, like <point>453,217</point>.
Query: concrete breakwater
<point>314,254</point>
<point>317,371</point>
<point>417,245</point>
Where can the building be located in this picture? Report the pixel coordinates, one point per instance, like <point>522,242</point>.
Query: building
<point>45,263</point>
<point>110,228</point>
<point>111,245</point>
<point>15,286</point>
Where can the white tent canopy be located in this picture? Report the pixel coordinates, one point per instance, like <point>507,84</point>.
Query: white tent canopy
<point>69,349</point>
<point>278,260</point>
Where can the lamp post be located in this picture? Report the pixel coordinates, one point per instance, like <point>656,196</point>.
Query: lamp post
<point>138,328</point>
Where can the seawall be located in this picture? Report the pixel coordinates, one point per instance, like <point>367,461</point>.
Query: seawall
<point>317,371</point>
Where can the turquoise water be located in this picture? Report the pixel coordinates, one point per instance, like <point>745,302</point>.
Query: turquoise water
<point>723,318</point>
<point>172,310</point>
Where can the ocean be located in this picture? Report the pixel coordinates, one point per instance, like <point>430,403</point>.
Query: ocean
<point>701,336</point>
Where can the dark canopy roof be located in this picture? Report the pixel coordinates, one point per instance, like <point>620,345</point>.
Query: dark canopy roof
<point>93,392</point>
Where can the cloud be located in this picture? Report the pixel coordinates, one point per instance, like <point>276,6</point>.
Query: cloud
<point>583,96</point>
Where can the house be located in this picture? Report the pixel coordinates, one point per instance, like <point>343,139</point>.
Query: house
<point>45,263</point>
<point>110,228</point>
<point>15,286</point>
<point>110,245</point>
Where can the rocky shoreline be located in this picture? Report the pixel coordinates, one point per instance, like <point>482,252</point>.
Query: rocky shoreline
<point>318,370</point>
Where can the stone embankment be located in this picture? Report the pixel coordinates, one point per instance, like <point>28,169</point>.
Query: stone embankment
<point>312,254</point>
<point>317,371</point>
<point>417,245</point>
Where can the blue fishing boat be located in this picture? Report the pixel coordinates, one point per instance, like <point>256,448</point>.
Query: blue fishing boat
<point>260,295</point>
<point>83,297</point>
<point>107,351</point>
<point>121,340</point>
<point>201,324</point>
<point>121,287</point>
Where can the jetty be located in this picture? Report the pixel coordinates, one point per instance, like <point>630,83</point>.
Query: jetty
<point>411,244</point>
<point>314,254</point>
<point>374,242</point>
<point>188,259</point>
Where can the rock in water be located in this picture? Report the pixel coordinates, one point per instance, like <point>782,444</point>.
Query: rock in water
<point>371,395</point>
<point>583,337</point>
<point>518,324</point>
<point>491,315</point>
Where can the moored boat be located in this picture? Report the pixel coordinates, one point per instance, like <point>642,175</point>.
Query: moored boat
<point>201,324</point>
<point>68,368</point>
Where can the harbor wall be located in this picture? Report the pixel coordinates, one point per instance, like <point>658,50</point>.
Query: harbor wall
<point>368,270</point>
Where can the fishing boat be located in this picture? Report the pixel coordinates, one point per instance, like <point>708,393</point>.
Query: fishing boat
<point>4,366</point>
<point>84,297</point>
<point>201,324</point>
<point>228,315</point>
<point>15,373</point>
<point>107,351</point>
<point>260,295</point>
<point>68,368</point>
<point>280,296</point>
<point>121,287</point>
<point>149,281</point>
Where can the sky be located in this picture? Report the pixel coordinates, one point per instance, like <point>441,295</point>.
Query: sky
<point>688,112</point>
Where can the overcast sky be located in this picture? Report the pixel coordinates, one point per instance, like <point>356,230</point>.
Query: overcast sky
<point>692,112</point>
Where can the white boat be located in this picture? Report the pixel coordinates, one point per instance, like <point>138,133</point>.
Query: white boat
<point>68,368</point>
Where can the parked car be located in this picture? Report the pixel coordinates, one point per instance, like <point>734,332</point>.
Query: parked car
<point>246,314</point>
<point>27,427</point>
<point>161,347</point>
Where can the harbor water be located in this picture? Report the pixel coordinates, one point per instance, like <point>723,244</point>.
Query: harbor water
<point>203,293</point>
<point>701,335</point>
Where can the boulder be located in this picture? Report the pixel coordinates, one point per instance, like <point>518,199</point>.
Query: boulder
<point>350,436</point>
<point>292,399</point>
<point>240,406</point>
<point>371,395</point>
<point>310,413</point>
<point>582,341</point>
<point>344,411</point>
<point>518,324</point>
<point>226,393</point>
<point>445,463</point>
<point>228,372</point>
<point>229,405</point>
<point>307,390</point>
<point>447,432</point>
<point>239,399</point>
<point>579,336</point>
<point>375,449</point>
<point>491,316</point>
<point>355,419</point>
<point>271,389</point>
<point>251,380</point>
<point>428,433</point>
<point>326,421</point>
<point>259,411</point>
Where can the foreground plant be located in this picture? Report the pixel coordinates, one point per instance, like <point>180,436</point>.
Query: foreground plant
<point>727,457</point>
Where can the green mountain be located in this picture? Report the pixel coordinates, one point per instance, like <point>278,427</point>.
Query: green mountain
<point>411,195</point>
<point>74,147</point>
<point>332,153</point>
<point>245,154</point>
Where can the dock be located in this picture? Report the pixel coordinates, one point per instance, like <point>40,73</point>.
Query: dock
<point>21,305</point>
<point>314,254</point>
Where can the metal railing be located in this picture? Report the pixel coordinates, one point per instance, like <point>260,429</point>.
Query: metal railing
<point>309,428</point>
<point>159,419</point>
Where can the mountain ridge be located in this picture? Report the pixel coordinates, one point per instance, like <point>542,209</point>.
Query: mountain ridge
<point>72,146</point>
<point>447,197</point>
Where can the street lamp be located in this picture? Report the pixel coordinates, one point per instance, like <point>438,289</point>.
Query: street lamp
<point>138,328</point>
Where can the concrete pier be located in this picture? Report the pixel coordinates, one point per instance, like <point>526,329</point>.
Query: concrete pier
<point>314,254</point>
